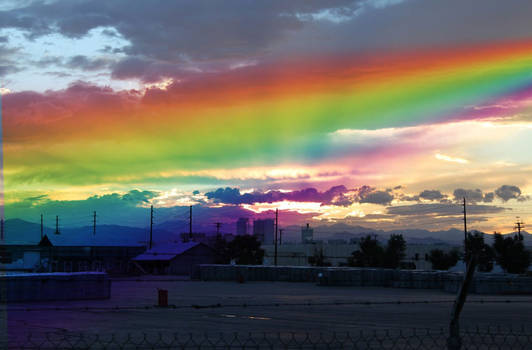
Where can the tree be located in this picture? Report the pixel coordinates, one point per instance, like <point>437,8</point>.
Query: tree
<point>395,251</point>
<point>474,244</point>
<point>246,250</point>
<point>221,250</point>
<point>370,254</point>
<point>510,253</point>
<point>443,261</point>
<point>318,259</point>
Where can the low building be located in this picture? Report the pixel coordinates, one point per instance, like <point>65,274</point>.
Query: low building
<point>47,257</point>
<point>174,259</point>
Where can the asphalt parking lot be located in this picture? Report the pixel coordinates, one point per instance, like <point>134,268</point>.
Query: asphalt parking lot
<point>208,307</point>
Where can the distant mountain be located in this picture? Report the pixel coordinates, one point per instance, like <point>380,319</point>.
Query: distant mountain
<point>23,232</point>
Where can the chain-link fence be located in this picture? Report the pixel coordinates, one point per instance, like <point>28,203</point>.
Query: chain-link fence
<point>472,338</point>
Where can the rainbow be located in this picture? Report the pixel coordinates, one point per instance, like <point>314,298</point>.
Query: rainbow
<point>271,113</point>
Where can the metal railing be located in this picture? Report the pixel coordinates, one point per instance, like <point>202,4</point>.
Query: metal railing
<point>472,338</point>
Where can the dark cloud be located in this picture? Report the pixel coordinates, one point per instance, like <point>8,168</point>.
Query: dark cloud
<point>133,209</point>
<point>166,36</point>
<point>87,64</point>
<point>137,196</point>
<point>432,195</point>
<point>470,195</point>
<point>4,39</point>
<point>230,195</point>
<point>8,64</point>
<point>507,192</point>
<point>8,69</point>
<point>172,29</point>
<point>488,197</point>
<point>48,61</point>
<point>376,197</point>
<point>336,195</point>
<point>442,209</point>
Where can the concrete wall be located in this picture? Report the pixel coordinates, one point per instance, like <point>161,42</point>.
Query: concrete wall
<point>484,283</point>
<point>54,286</point>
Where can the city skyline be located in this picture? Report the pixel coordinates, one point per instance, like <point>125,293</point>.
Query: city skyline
<point>256,107</point>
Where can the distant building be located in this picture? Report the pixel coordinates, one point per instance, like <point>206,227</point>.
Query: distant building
<point>264,230</point>
<point>242,226</point>
<point>307,234</point>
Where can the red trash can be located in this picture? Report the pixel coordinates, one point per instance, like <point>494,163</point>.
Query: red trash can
<point>163,297</point>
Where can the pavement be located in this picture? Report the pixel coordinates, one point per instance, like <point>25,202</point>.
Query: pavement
<point>213,307</point>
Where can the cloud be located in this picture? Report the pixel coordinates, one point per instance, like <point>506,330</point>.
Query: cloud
<point>87,64</point>
<point>451,159</point>
<point>442,209</point>
<point>470,195</point>
<point>507,192</point>
<point>432,195</point>
<point>233,196</point>
<point>336,195</point>
<point>488,197</point>
<point>376,197</point>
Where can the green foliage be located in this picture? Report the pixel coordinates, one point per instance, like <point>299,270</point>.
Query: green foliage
<point>245,250</point>
<point>484,254</point>
<point>318,259</point>
<point>443,260</point>
<point>510,253</point>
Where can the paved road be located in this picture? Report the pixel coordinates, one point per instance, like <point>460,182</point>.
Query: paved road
<point>266,318</point>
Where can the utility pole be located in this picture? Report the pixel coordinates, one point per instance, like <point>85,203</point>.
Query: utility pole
<point>519,225</point>
<point>151,225</point>
<point>42,227</point>
<point>190,223</point>
<point>57,225</point>
<point>276,228</point>
<point>465,233</point>
<point>454,341</point>
<point>465,220</point>
<point>94,224</point>
<point>218,224</point>
<point>281,236</point>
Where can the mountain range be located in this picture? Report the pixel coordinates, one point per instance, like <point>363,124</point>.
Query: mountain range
<point>18,231</point>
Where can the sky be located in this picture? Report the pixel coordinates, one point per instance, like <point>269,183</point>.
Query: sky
<point>378,113</point>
